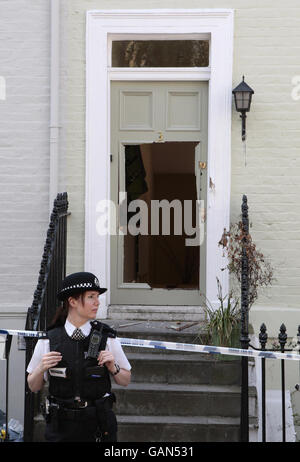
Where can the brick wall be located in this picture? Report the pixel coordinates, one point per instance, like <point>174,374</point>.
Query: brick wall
<point>24,171</point>
<point>266,50</point>
<point>24,148</point>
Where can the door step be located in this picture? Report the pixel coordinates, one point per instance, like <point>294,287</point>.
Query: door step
<point>136,428</point>
<point>180,400</point>
<point>177,369</point>
<point>168,331</point>
<point>156,313</point>
<point>133,428</point>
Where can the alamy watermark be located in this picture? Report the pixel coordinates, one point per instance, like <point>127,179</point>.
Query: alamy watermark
<point>295,94</point>
<point>2,88</point>
<point>133,218</point>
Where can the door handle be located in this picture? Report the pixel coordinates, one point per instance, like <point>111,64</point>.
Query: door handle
<point>160,138</point>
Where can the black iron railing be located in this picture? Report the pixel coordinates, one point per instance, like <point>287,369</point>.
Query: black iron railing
<point>244,325</point>
<point>282,340</point>
<point>263,338</point>
<point>41,312</point>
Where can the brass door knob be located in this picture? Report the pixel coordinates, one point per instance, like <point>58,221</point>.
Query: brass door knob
<point>202,165</point>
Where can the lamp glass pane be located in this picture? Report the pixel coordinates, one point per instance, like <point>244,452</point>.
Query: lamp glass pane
<point>242,100</point>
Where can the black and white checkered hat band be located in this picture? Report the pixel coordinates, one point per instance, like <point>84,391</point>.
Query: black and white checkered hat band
<point>84,285</point>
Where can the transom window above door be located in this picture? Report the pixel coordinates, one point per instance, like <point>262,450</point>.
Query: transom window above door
<point>160,53</point>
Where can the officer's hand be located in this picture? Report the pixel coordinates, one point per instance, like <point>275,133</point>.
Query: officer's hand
<point>49,360</point>
<point>107,358</point>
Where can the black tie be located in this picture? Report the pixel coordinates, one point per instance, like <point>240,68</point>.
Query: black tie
<point>77,335</point>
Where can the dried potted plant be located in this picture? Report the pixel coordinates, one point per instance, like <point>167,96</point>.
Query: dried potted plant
<point>223,323</point>
<point>260,271</point>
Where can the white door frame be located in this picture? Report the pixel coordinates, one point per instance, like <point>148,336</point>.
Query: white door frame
<point>102,27</point>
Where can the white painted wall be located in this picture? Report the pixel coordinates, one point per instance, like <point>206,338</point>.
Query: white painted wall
<point>24,170</point>
<point>24,148</point>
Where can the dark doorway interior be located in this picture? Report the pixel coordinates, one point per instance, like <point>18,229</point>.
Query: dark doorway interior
<point>155,172</point>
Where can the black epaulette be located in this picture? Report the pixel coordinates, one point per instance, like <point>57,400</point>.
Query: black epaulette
<point>109,331</point>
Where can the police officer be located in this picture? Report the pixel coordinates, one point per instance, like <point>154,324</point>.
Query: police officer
<point>79,405</point>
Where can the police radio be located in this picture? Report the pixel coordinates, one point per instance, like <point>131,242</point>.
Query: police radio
<point>94,345</point>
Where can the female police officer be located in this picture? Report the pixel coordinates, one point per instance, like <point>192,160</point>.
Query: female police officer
<point>80,399</point>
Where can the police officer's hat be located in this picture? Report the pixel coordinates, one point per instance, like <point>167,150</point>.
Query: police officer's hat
<point>79,282</point>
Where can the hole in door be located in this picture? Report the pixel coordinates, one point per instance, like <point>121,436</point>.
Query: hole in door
<point>161,176</point>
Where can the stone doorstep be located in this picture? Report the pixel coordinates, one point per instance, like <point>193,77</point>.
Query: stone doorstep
<point>148,397</point>
<point>178,368</point>
<point>153,308</point>
<point>175,420</point>
<point>165,331</point>
<point>181,420</point>
<point>159,330</point>
<point>177,429</point>
<point>192,359</point>
<point>187,388</point>
<point>180,428</point>
<point>233,390</point>
<point>156,313</point>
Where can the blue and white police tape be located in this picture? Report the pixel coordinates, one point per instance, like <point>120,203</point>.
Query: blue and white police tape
<point>191,347</point>
<point>24,333</point>
<point>195,348</point>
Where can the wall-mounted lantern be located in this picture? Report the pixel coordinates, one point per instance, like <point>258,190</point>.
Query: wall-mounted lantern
<point>242,98</point>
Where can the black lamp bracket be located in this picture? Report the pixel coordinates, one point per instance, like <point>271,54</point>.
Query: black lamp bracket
<point>243,117</point>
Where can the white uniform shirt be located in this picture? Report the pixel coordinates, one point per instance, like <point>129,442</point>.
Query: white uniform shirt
<point>113,345</point>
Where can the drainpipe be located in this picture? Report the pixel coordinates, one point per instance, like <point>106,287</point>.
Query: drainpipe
<point>54,100</point>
